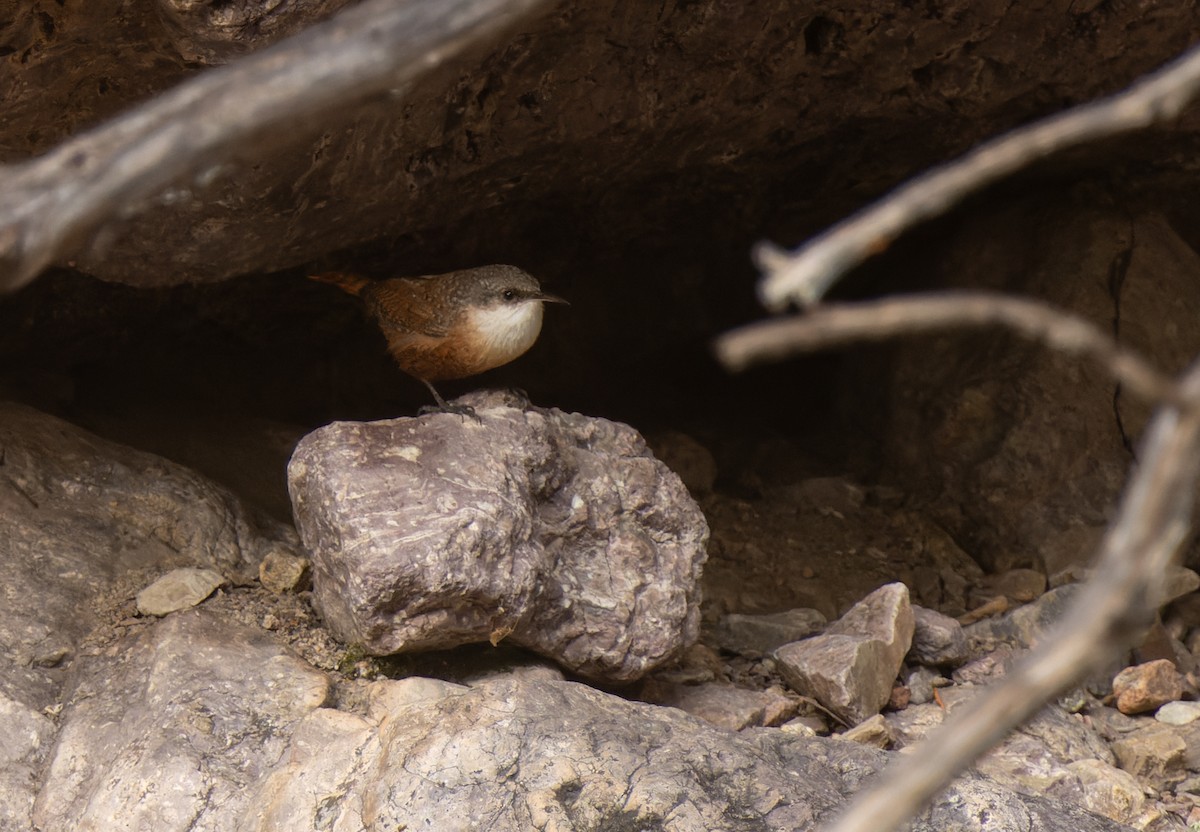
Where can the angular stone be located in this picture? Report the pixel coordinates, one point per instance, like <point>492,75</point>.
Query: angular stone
<point>874,732</point>
<point>938,640</point>
<point>177,590</point>
<point>760,634</point>
<point>556,531</point>
<point>1155,754</point>
<point>1145,687</point>
<point>851,667</point>
<point>559,755</point>
<point>171,728</point>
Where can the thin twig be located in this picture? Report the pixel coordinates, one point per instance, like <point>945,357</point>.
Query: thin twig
<point>827,326</point>
<point>1153,520</point>
<point>53,204</point>
<point>805,275</point>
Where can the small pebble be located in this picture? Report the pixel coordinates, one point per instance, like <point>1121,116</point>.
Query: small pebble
<point>282,572</point>
<point>874,732</point>
<point>1145,687</point>
<point>1178,713</point>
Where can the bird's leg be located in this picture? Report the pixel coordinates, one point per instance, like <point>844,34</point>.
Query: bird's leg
<point>444,406</point>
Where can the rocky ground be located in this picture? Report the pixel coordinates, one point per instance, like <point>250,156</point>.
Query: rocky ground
<point>832,556</point>
<point>174,670</point>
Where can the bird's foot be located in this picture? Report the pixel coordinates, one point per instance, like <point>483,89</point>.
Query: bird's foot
<point>466,411</point>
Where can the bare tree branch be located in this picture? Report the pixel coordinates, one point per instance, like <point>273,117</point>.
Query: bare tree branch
<point>827,326</point>
<point>51,205</point>
<point>1153,520</point>
<point>805,275</point>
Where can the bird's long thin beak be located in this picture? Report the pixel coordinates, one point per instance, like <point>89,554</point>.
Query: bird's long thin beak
<point>542,296</point>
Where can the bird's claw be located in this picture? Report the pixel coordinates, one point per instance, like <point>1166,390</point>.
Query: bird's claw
<point>464,410</point>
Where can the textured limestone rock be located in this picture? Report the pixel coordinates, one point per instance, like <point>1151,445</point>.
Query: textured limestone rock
<point>938,640</point>
<point>561,755</point>
<point>77,514</point>
<point>212,32</point>
<point>1145,687</point>
<point>553,530</point>
<point>170,728</point>
<point>850,668</point>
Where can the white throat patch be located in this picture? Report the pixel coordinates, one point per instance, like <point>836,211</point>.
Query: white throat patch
<point>507,330</point>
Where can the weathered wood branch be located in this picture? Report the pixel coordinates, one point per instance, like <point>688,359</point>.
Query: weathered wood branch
<point>52,205</point>
<point>834,324</point>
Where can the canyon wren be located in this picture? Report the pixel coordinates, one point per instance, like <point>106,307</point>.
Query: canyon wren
<point>448,326</point>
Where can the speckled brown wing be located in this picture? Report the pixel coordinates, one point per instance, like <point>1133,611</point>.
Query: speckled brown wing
<point>407,306</point>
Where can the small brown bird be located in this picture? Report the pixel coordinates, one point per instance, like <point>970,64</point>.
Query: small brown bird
<point>454,325</point>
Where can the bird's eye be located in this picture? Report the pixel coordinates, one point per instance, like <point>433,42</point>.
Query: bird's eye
<point>509,294</point>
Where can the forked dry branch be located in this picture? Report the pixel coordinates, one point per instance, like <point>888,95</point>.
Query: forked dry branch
<point>1154,516</point>
<point>52,205</point>
<point>805,275</point>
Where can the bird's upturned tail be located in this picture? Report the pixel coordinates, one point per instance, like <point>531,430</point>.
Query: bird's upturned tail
<point>349,283</point>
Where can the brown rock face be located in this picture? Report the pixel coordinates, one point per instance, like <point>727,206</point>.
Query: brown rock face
<point>556,531</point>
<point>563,118</point>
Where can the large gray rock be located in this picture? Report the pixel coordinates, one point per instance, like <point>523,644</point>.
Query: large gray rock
<point>510,755</point>
<point>170,729</point>
<point>25,737</point>
<point>851,667</point>
<point>77,515</point>
<point>553,530</point>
